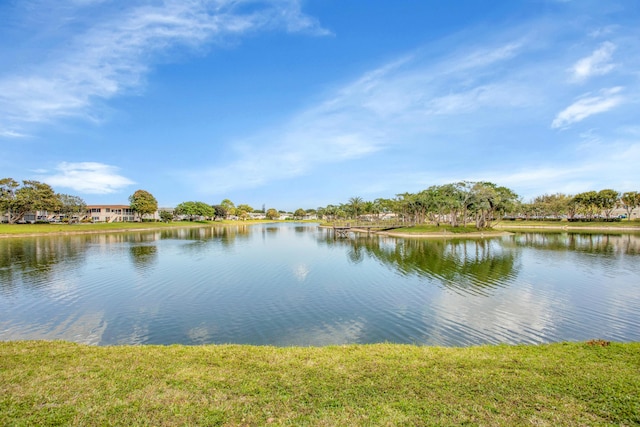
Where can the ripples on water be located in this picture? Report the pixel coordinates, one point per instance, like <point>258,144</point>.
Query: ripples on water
<point>289,284</point>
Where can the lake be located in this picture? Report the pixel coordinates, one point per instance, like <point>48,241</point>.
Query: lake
<point>295,284</point>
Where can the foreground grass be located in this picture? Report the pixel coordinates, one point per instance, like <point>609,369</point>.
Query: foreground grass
<point>53,383</point>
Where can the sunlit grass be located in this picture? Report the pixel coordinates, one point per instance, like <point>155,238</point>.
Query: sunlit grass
<point>623,226</point>
<point>442,229</point>
<point>26,229</point>
<point>58,383</point>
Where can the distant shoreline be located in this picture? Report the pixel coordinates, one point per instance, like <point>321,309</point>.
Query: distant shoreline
<point>116,230</point>
<point>497,231</point>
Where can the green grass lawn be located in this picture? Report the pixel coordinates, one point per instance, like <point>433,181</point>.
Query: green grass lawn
<point>576,227</point>
<point>442,229</point>
<point>59,383</point>
<point>18,229</point>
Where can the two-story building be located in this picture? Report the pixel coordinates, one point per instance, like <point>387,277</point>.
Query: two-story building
<point>111,213</point>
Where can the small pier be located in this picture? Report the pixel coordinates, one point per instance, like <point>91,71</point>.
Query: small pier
<point>342,230</point>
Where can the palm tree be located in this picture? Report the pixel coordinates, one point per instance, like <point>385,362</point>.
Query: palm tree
<point>356,204</point>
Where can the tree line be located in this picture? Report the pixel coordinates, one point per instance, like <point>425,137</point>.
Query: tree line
<point>16,200</point>
<point>466,202</point>
<point>226,208</point>
<point>456,204</point>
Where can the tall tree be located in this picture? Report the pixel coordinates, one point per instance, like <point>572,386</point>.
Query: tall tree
<point>488,200</point>
<point>143,203</point>
<point>186,208</point>
<point>8,187</point>
<point>299,213</point>
<point>34,196</point>
<point>195,209</point>
<point>243,210</point>
<point>71,205</point>
<point>166,216</point>
<point>588,203</point>
<point>272,214</point>
<point>607,200</point>
<point>630,200</point>
<point>356,204</point>
<point>229,206</point>
<point>219,211</point>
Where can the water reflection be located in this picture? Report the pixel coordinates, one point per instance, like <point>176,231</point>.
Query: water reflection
<point>463,265</point>
<point>33,261</point>
<point>599,244</point>
<point>143,256</point>
<point>225,234</point>
<point>292,284</point>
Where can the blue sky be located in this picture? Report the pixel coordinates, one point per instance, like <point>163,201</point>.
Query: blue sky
<point>304,103</point>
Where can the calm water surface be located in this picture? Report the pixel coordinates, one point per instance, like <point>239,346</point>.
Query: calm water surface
<point>293,284</point>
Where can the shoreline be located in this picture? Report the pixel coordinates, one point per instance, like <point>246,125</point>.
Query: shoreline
<point>113,230</point>
<point>498,230</point>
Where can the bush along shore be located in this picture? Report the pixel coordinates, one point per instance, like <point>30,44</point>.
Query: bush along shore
<point>61,383</point>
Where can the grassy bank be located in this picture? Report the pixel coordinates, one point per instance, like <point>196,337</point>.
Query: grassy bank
<point>592,224</point>
<point>441,229</point>
<point>519,226</point>
<point>579,227</point>
<point>51,383</point>
<point>36,229</point>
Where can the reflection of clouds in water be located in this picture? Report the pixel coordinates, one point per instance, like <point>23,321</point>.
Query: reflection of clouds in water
<point>521,316</point>
<point>139,334</point>
<point>301,271</point>
<point>140,329</point>
<point>85,329</point>
<point>199,335</point>
<point>346,332</point>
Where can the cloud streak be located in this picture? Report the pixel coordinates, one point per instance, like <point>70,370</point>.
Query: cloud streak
<point>449,110</point>
<point>386,107</point>
<point>113,56</point>
<point>597,64</point>
<point>88,178</point>
<point>588,106</point>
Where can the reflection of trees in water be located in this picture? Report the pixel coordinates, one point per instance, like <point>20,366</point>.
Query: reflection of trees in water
<point>459,264</point>
<point>608,245</point>
<point>32,260</point>
<point>143,255</point>
<point>305,228</point>
<point>462,264</point>
<point>227,235</point>
<point>271,229</point>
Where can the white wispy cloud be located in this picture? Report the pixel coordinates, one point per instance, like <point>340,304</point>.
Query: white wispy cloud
<point>6,133</point>
<point>597,64</point>
<point>88,178</point>
<point>115,53</point>
<point>375,112</point>
<point>588,106</point>
<point>478,111</point>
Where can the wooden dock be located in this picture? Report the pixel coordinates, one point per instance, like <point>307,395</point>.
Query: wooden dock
<point>343,230</point>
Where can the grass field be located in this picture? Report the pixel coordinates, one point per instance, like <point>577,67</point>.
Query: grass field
<point>576,227</point>
<point>26,229</point>
<point>442,229</point>
<point>59,383</point>
<point>34,229</point>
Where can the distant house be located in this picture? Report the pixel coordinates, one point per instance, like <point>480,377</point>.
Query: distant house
<point>29,217</point>
<point>257,215</point>
<point>111,213</point>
